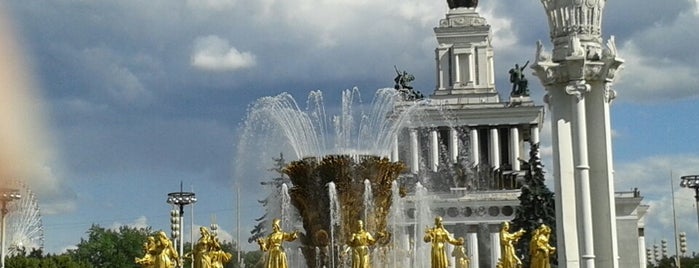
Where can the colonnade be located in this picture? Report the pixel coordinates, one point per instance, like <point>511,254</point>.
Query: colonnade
<point>477,154</point>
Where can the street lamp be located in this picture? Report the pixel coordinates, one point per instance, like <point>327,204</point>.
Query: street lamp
<point>6,195</point>
<point>179,199</point>
<point>692,182</point>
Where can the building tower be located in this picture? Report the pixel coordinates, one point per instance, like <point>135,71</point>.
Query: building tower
<point>578,75</point>
<point>467,123</point>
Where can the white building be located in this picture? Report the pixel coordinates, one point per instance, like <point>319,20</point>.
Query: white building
<point>468,123</point>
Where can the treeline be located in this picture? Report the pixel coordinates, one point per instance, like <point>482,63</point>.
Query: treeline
<point>114,248</point>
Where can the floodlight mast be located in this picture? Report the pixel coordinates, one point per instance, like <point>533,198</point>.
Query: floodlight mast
<point>180,199</point>
<point>692,182</point>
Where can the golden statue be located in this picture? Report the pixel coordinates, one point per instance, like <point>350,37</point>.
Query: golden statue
<point>164,253</point>
<point>439,236</point>
<point>200,253</point>
<point>540,249</point>
<point>359,243</point>
<point>207,252</point>
<point>272,244</point>
<point>461,258</point>
<point>508,240</point>
<point>148,260</point>
<point>218,256</point>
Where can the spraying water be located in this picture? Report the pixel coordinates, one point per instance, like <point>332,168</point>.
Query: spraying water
<point>335,217</point>
<point>285,207</point>
<point>368,202</point>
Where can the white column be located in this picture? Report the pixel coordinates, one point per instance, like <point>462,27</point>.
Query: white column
<point>642,251</point>
<point>394,148</point>
<point>453,145</point>
<point>472,246</point>
<point>494,249</point>
<point>582,168</point>
<point>414,152</point>
<point>599,146</point>
<point>514,148</point>
<point>457,69</point>
<point>434,149</point>
<point>494,148</point>
<point>567,234</point>
<point>534,134</point>
<point>471,69</point>
<point>475,156</point>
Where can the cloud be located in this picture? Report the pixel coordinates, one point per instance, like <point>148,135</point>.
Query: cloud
<point>215,54</point>
<point>138,223</point>
<point>660,61</point>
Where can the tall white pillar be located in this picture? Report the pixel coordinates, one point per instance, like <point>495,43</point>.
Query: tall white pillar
<point>414,152</point>
<point>495,253</point>
<point>434,149</point>
<point>494,148</point>
<point>475,151</point>
<point>394,149</point>
<point>514,148</point>
<point>564,178</point>
<point>602,175</point>
<point>472,243</point>
<point>579,90</point>
<point>642,251</point>
<point>453,144</point>
<point>581,65</point>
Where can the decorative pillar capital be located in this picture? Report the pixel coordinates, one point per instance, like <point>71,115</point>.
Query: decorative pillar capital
<point>577,88</point>
<point>609,93</point>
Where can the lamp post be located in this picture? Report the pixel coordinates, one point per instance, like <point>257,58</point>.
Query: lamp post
<point>179,199</point>
<point>692,182</point>
<point>6,196</point>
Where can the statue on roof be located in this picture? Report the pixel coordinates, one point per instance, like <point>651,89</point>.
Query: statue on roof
<point>519,82</point>
<point>402,84</point>
<point>462,3</point>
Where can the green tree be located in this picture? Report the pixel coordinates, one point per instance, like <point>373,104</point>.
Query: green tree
<point>275,184</point>
<point>111,248</point>
<point>253,259</point>
<point>37,259</point>
<point>537,206</point>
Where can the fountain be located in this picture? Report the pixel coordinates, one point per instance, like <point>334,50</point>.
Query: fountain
<point>330,215</point>
<point>342,173</point>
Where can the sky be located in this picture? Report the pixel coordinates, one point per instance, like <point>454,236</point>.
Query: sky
<point>108,105</point>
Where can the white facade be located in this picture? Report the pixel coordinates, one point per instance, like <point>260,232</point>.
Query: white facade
<point>467,120</point>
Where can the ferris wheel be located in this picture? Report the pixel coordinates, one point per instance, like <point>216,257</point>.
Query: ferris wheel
<point>25,229</point>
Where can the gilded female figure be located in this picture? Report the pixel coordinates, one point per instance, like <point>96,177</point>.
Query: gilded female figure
<point>164,253</point>
<point>461,259</point>
<point>360,242</point>
<point>272,244</point>
<point>540,249</point>
<point>202,249</point>
<point>439,236</point>
<point>508,240</point>
<point>148,250</point>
